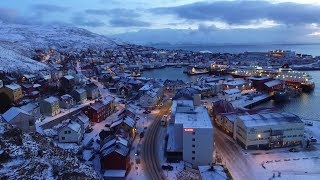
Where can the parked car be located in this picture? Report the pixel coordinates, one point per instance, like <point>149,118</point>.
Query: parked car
<point>167,167</point>
<point>141,135</point>
<point>137,118</point>
<point>312,139</point>
<point>89,130</point>
<point>293,150</point>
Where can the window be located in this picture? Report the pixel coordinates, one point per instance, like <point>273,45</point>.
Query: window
<point>193,133</point>
<point>31,123</point>
<point>193,158</point>
<point>193,152</point>
<point>63,138</point>
<point>66,132</point>
<point>193,139</point>
<point>193,145</point>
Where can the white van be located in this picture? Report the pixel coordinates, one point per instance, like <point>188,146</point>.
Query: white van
<point>164,120</point>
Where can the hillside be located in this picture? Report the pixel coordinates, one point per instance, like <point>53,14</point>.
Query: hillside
<point>18,43</point>
<point>31,156</point>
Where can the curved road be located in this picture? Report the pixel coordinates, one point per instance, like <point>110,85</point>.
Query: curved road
<point>150,148</point>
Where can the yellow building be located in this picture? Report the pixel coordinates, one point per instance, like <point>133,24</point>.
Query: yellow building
<point>14,91</point>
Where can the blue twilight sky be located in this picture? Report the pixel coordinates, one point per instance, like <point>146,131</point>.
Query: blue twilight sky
<point>177,21</point>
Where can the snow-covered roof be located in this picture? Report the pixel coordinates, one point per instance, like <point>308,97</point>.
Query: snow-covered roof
<point>80,90</point>
<point>29,107</point>
<point>12,113</point>
<point>118,147</point>
<point>74,126</point>
<point>97,105</point>
<point>236,82</point>
<point>273,83</point>
<point>83,118</point>
<point>36,85</point>
<point>13,86</point>
<point>114,173</point>
<point>232,91</point>
<point>69,77</point>
<point>199,118</point>
<point>29,76</point>
<point>66,96</point>
<point>270,118</point>
<point>114,140</point>
<point>51,99</point>
<point>106,100</point>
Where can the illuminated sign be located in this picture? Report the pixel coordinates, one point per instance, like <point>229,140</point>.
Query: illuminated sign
<point>188,130</point>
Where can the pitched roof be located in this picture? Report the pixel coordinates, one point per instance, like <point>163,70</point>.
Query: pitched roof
<point>12,113</point>
<point>29,107</point>
<point>51,99</point>
<point>13,86</point>
<point>118,147</point>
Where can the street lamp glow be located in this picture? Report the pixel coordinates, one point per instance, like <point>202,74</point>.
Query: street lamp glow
<point>259,135</point>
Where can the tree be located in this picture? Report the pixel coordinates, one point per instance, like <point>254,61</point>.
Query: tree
<point>5,102</point>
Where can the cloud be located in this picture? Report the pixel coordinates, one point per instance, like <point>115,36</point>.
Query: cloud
<point>12,16</point>
<point>128,22</point>
<point>243,12</point>
<point>49,8</point>
<point>118,12</point>
<point>81,20</point>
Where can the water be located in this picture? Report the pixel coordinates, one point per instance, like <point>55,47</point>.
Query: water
<point>311,49</point>
<point>306,106</point>
<point>170,73</point>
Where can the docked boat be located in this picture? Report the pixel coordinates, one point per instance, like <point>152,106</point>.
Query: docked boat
<point>197,71</point>
<point>281,95</point>
<point>291,78</point>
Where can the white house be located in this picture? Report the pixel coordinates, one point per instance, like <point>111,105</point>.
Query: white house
<point>151,98</point>
<point>83,120</point>
<point>20,118</point>
<point>70,133</point>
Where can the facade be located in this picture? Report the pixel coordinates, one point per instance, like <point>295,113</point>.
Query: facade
<point>66,101</point>
<point>125,124</point>
<point>14,91</point>
<point>92,91</point>
<point>33,109</point>
<point>238,83</point>
<point>20,118</point>
<point>79,95</point>
<point>231,94</point>
<point>272,85</point>
<point>100,110</point>
<point>83,120</point>
<point>191,133</point>
<point>67,82</point>
<point>174,86</point>
<point>50,106</point>
<point>151,98</point>
<point>70,133</point>
<point>269,130</point>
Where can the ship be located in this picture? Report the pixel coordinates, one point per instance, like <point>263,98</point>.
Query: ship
<point>291,78</point>
<point>197,71</point>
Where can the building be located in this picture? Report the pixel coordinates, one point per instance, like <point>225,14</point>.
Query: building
<point>1,83</point>
<point>115,154</point>
<point>92,91</point>
<point>272,85</point>
<point>33,109</point>
<point>151,98</point>
<point>230,94</point>
<point>67,82</point>
<point>83,120</point>
<point>237,83</point>
<point>191,134</point>
<point>28,78</point>
<point>125,125</point>
<point>269,130</point>
<point>13,91</point>
<point>79,95</point>
<point>70,133</point>
<point>66,101</point>
<point>174,86</point>
<point>20,118</point>
<point>100,110</point>
<point>50,106</point>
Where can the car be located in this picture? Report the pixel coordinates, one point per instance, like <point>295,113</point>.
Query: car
<point>141,135</point>
<point>167,167</point>
<point>137,118</point>
<point>107,125</point>
<point>145,112</point>
<point>293,150</point>
<point>312,139</point>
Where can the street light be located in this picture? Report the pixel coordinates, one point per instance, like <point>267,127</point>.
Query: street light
<point>259,135</point>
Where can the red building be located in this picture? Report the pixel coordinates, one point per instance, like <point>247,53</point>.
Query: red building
<point>100,110</point>
<point>115,154</point>
<point>270,86</point>
<point>258,82</point>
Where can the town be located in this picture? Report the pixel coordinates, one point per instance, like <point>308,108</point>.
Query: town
<point>98,105</point>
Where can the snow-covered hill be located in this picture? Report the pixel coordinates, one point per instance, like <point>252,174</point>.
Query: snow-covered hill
<point>31,156</point>
<point>19,42</point>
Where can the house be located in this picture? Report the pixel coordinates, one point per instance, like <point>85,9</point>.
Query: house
<point>13,91</point>
<point>100,110</point>
<point>27,88</point>
<point>50,106</point>
<point>67,82</point>
<point>174,86</point>
<point>83,120</point>
<point>237,83</point>
<point>28,78</point>
<point>33,109</point>
<point>66,101</point>
<point>272,85</point>
<point>20,118</point>
<point>70,133</point>
<point>92,91</point>
<point>115,154</point>
<point>79,95</point>
<point>124,124</point>
<point>151,98</point>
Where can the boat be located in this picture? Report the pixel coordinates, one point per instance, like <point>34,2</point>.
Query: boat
<point>291,78</point>
<point>197,71</point>
<point>281,95</point>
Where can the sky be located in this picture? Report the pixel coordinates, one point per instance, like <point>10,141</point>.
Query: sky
<point>177,21</point>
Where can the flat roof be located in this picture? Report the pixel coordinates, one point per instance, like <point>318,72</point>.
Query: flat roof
<point>199,118</point>
<point>232,91</point>
<point>270,118</point>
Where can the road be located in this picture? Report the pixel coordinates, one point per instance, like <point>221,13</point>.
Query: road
<point>238,163</point>
<point>150,147</point>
